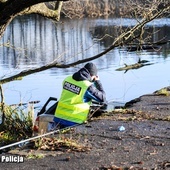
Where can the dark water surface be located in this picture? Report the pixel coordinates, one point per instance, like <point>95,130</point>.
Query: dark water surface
<point>35,41</point>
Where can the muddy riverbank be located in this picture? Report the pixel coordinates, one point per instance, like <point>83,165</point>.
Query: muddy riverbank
<point>144,144</point>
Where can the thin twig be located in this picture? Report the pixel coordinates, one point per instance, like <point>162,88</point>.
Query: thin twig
<point>2,104</point>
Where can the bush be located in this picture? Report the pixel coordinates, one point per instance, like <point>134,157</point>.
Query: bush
<point>17,124</point>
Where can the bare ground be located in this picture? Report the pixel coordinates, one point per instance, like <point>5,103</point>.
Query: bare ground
<point>144,145</point>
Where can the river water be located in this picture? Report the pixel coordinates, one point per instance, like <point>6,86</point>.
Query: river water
<point>35,41</point>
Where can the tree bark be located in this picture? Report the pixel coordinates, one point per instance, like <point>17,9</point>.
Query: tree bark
<point>42,9</point>
<point>2,104</point>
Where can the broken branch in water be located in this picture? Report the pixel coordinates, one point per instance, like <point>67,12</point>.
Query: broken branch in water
<point>137,65</point>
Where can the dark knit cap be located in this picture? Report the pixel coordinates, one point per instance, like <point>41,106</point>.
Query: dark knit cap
<point>91,68</point>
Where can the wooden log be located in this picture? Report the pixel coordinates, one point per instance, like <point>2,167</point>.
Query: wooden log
<point>137,65</point>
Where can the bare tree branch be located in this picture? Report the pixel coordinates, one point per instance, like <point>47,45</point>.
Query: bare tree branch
<point>9,9</point>
<point>124,38</point>
<point>44,10</point>
<point>2,104</point>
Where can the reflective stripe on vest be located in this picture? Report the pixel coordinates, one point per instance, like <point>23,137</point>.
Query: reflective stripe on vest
<point>71,106</point>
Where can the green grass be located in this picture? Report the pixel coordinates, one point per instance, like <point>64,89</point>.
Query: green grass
<point>17,125</point>
<point>163,91</point>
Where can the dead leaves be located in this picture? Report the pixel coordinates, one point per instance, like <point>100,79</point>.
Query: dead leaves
<point>127,115</point>
<point>114,167</point>
<point>60,144</point>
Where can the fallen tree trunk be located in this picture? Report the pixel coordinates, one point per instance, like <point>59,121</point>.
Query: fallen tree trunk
<point>137,65</point>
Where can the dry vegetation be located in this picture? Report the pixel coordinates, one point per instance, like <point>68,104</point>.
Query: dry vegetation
<point>17,125</point>
<point>60,144</point>
<point>105,8</point>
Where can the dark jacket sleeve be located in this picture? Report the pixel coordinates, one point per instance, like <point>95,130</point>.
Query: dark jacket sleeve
<point>96,92</point>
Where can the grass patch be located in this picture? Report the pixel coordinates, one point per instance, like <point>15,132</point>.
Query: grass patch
<point>17,125</point>
<point>163,91</point>
<point>32,156</point>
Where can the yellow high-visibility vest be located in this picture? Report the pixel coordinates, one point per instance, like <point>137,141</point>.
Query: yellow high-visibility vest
<point>71,106</point>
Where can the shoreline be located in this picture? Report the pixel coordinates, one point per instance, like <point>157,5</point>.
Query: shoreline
<point>144,144</point>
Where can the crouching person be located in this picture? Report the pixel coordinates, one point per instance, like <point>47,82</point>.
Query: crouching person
<point>78,92</point>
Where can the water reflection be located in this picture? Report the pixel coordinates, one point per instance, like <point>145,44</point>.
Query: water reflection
<point>35,41</point>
